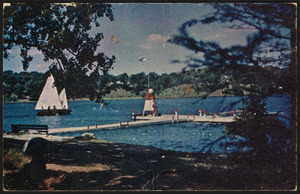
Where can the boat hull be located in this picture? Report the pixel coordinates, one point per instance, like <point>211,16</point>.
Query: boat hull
<point>64,112</point>
<point>147,114</point>
<point>54,112</point>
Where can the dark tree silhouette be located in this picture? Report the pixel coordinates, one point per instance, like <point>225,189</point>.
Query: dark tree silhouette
<point>264,134</point>
<point>61,33</point>
<point>272,43</point>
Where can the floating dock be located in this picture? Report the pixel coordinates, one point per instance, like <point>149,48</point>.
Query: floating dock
<point>150,116</point>
<point>141,121</point>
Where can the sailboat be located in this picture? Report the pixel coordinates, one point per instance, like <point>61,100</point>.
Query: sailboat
<point>50,103</point>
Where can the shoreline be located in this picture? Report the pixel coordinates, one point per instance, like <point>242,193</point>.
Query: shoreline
<point>131,98</point>
<point>125,98</point>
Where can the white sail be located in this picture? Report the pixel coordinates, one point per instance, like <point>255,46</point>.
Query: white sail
<point>49,97</point>
<point>63,99</point>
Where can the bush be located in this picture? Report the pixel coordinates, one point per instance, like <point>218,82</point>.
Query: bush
<point>14,159</point>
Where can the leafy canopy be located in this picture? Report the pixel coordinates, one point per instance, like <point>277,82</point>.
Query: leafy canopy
<point>272,26</point>
<point>61,33</point>
<point>271,43</point>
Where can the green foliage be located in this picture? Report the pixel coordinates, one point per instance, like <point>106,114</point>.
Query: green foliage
<point>265,134</point>
<point>138,82</point>
<point>17,86</point>
<point>196,83</point>
<point>61,33</point>
<point>124,79</point>
<point>14,159</point>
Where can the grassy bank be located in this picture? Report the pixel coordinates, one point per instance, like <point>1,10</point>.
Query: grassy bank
<point>98,165</point>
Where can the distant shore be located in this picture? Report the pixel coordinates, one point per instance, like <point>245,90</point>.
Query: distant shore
<point>70,100</point>
<point>214,94</point>
<point>87,99</point>
<point>127,98</point>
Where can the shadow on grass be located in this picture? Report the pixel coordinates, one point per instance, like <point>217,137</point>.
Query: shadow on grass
<point>95,165</point>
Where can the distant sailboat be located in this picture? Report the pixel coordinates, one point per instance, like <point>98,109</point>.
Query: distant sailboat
<point>63,99</point>
<point>50,103</point>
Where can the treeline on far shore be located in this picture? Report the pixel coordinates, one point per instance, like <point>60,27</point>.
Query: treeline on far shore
<point>236,81</point>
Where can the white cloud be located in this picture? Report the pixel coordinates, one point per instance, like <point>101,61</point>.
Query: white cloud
<point>152,40</point>
<point>156,38</point>
<point>146,46</point>
<point>34,51</point>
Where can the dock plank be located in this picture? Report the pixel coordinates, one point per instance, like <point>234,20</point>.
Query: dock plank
<point>144,121</point>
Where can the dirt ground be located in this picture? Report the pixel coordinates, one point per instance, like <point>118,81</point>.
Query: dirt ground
<point>95,165</point>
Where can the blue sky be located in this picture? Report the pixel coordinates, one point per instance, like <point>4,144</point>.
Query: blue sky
<point>142,30</point>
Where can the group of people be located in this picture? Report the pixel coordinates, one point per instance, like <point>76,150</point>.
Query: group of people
<point>54,107</point>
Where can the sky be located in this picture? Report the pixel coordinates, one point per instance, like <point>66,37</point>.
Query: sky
<point>138,38</point>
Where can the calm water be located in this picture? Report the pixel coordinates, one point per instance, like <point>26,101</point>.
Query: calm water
<point>188,137</point>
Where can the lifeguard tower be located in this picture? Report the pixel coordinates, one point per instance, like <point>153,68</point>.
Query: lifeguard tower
<point>150,107</point>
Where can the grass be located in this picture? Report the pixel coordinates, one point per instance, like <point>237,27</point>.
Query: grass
<point>96,165</point>
<point>14,159</point>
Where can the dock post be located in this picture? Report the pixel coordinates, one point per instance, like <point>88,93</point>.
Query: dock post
<point>234,112</point>
<point>96,126</point>
<point>120,123</point>
<point>204,113</point>
<point>177,118</point>
<point>127,123</point>
<point>187,118</point>
<point>209,113</point>
<point>169,113</point>
<point>88,126</point>
<point>175,111</point>
<point>173,119</point>
<point>200,112</point>
<point>194,117</point>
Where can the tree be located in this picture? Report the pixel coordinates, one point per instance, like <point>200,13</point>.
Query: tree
<point>264,134</point>
<point>272,43</point>
<point>61,33</point>
<point>10,79</point>
<point>124,79</point>
<point>165,81</point>
<point>155,82</point>
<point>139,82</point>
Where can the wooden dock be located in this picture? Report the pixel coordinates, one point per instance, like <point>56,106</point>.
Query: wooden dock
<point>145,121</point>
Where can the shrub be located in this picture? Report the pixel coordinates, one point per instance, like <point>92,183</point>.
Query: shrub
<point>14,159</point>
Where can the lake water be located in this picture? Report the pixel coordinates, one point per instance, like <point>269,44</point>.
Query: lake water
<point>188,137</point>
